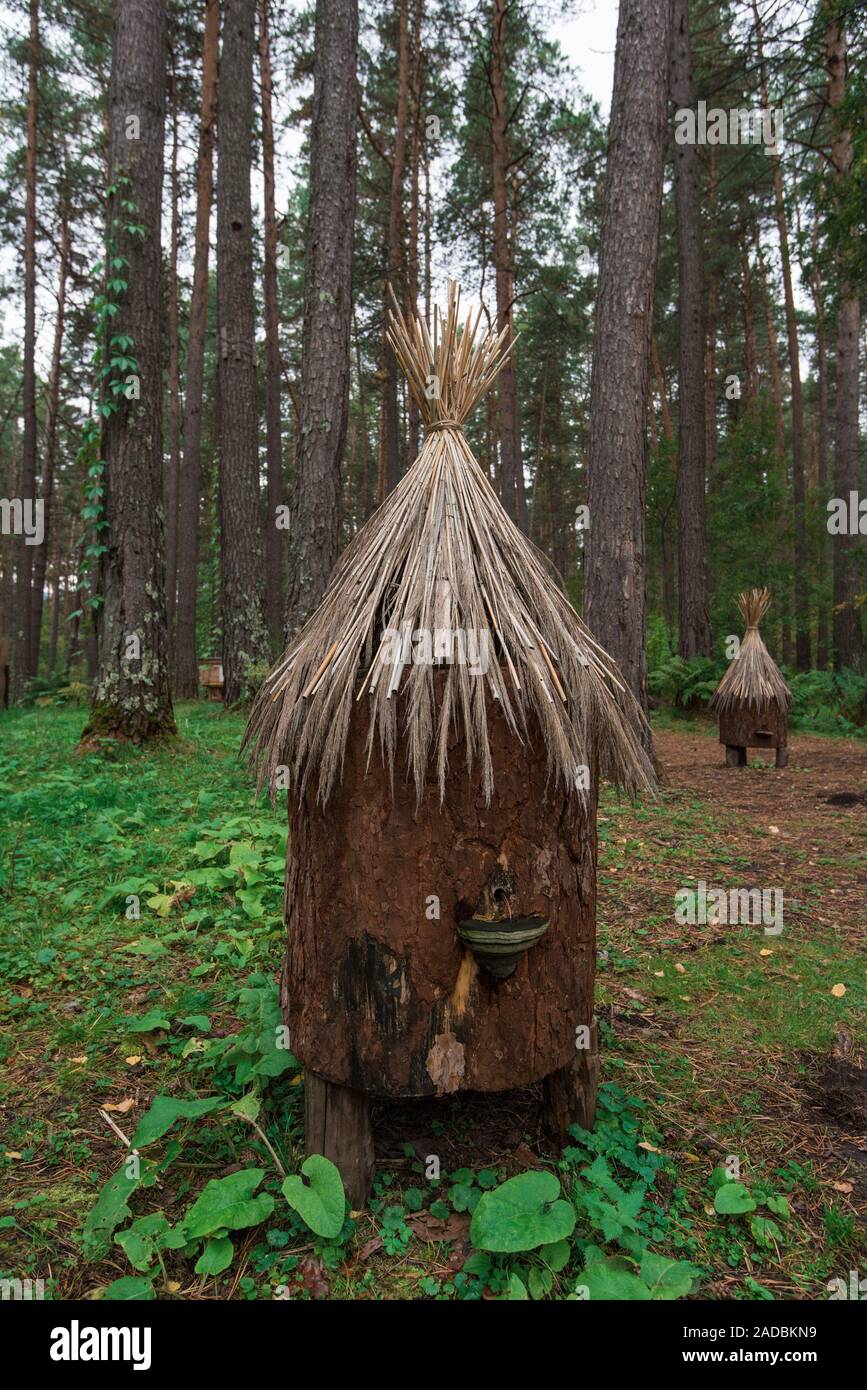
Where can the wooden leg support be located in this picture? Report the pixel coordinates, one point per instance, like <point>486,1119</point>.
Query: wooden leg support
<point>569,1094</point>
<point>337,1125</point>
<point>782,757</point>
<point>735,757</point>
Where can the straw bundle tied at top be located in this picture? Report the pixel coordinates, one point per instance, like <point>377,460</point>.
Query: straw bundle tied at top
<point>753,677</point>
<point>441,554</point>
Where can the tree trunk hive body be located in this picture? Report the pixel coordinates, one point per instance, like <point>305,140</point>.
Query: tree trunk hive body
<point>748,726</point>
<point>379,992</point>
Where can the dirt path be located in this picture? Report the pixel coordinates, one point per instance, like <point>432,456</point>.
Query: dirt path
<point>788,820</point>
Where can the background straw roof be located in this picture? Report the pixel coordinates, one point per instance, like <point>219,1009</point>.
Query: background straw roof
<point>753,677</point>
<point>441,554</point>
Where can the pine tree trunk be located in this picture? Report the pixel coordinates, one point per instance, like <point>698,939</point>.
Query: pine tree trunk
<point>751,357</point>
<point>132,693</point>
<point>54,633</point>
<point>26,655</point>
<point>174,383</point>
<point>615,601</point>
<point>273,431</point>
<point>848,637</point>
<point>245,638</point>
<point>802,594</point>
<point>412,283</point>
<point>327,308</point>
<point>394,275</point>
<point>783,604</point>
<point>823,636</point>
<point>511,471</point>
<point>49,446</point>
<point>695,635</point>
<point>186,670</point>
<point>710,383</point>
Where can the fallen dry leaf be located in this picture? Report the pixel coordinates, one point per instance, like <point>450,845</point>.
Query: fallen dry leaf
<point>524,1154</point>
<point>133,1061</point>
<point>434,1228</point>
<point>773,830</point>
<point>79,1061</point>
<point>681,969</point>
<point>838,991</point>
<point>846,1187</point>
<point>311,1275</point>
<point>122,1107</point>
<point>766,952</point>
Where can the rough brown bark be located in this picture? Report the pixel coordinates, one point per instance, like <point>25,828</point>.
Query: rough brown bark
<point>802,594</point>
<point>511,471</point>
<point>327,309</point>
<point>783,604</point>
<point>49,439</point>
<point>712,297</point>
<point>569,1094</point>
<point>615,601</point>
<point>749,727</point>
<point>848,637</point>
<point>25,656</point>
<point>366,481</point>
<point>186,672</point>
<point>132,694</point>
<point>54,633</point>
<point>412,280</point>
<point>823,636</point>
<point>379,993</point>
<point>665,514</point>
<point>174,382</point>
<point>273,432</point>
<point>695,634</point>
<point>394,274</point>
<point>245,639</point>
<point>751,357</point>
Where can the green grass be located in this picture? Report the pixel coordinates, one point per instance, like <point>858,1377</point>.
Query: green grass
<point>141,894</point>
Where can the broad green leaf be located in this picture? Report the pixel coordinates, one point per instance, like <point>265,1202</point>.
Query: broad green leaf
<point>733,1199</point>
<point>247,1107</point>
<point>667,1279</point>
<point>765,1230</point>
<point>129,1287</point>
<point>521,1214</point>
<point>779,1206</point>
<point>516,1289</point>
<point>147,1023</point>
<point>161,903</point>
<point>556,1256</point>
<point>216,1256</point>
<point>110,1209</point>
<point>614,1278</point>
<point>228,1203</point>
<point>321,1202</point>
<point>540,1282</point>
<point>141,1241</point>
<point>163,1113</point>
<point>200,1022</point>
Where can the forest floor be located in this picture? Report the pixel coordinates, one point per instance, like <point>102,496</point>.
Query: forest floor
<point>140,901</point>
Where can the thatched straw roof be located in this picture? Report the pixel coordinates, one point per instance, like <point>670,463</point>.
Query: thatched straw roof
<point>441,556</point>
<point>753,677</point>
